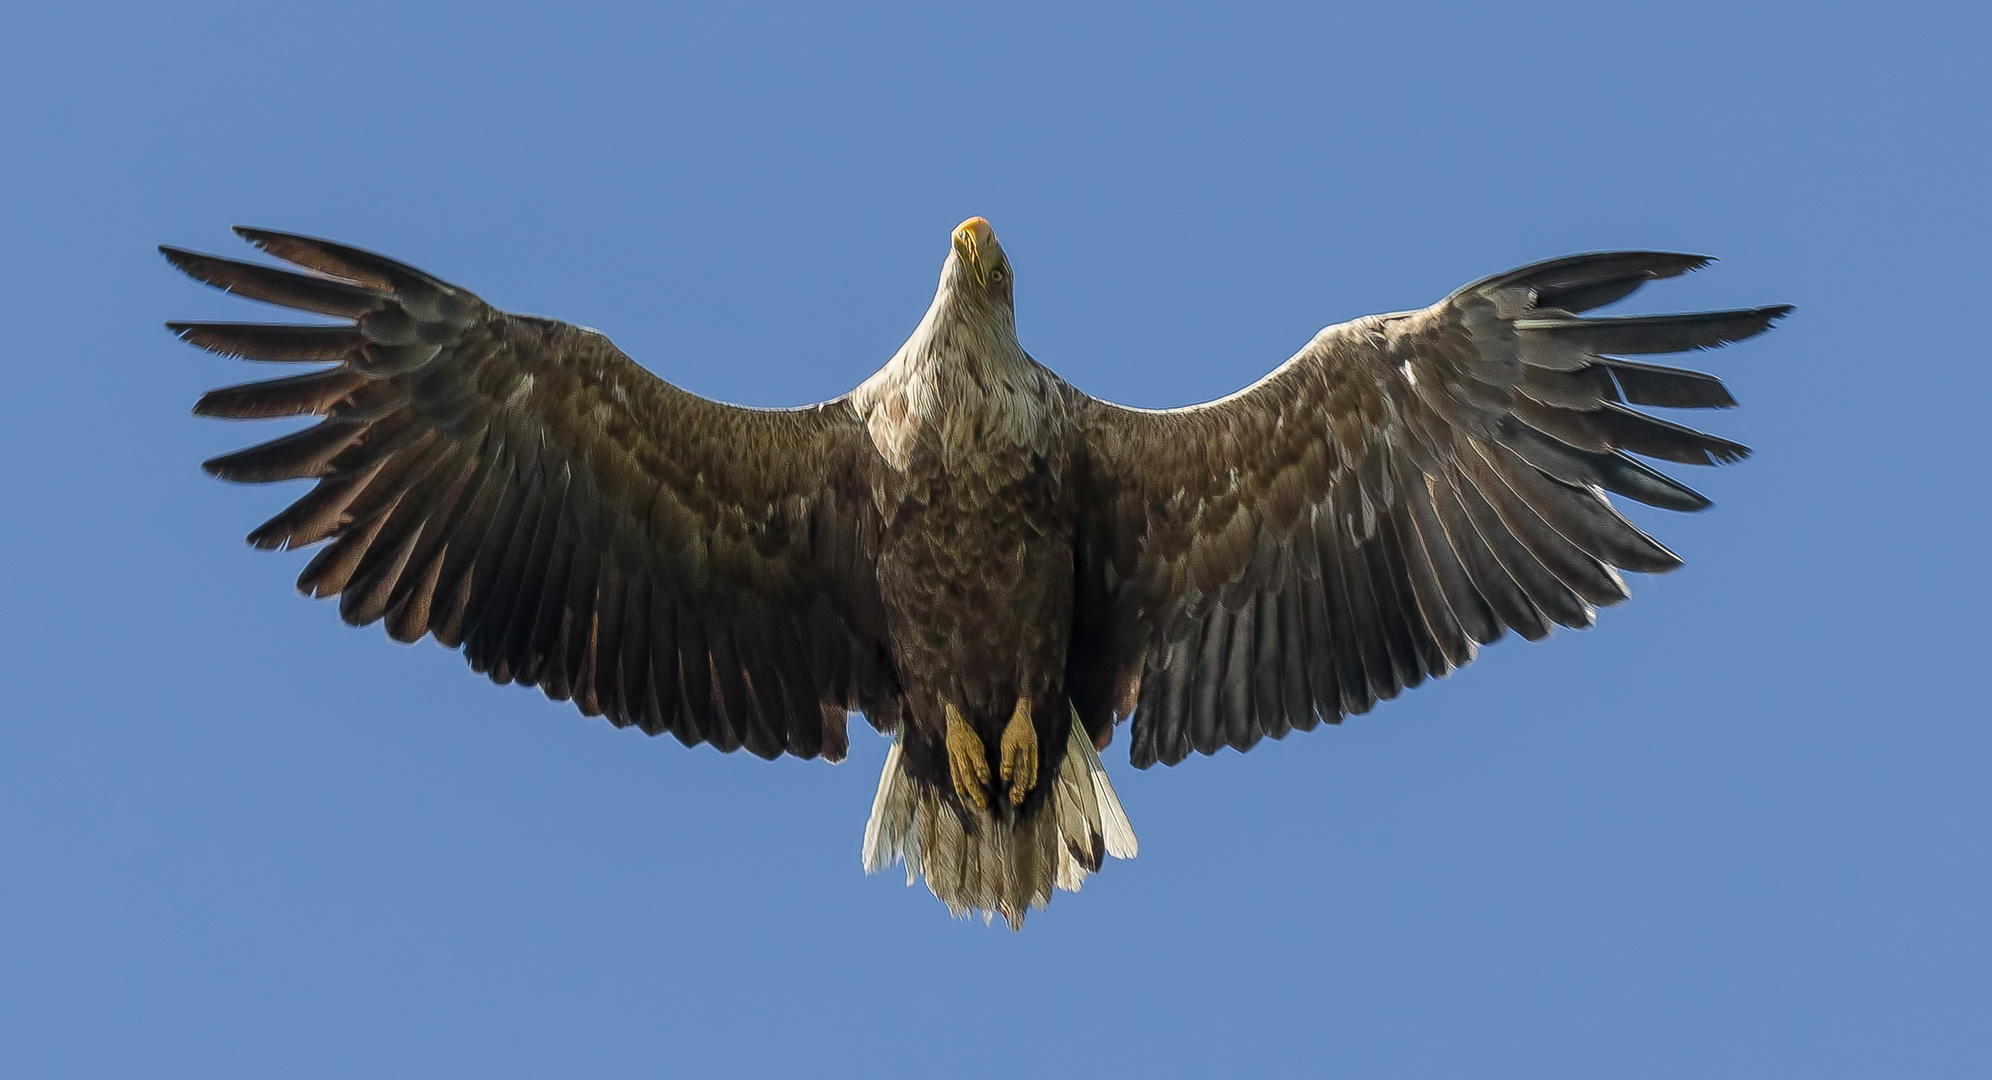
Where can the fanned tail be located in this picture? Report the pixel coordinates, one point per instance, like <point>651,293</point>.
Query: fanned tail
<point>993,866</point>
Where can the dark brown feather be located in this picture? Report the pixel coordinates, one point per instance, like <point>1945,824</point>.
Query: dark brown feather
<point>296,456</point>
<point>1585,575</point>
<point>311,394</point>
<point>1668,387</point>
<point>1643,334</point>
<point>271,285</point>
<point>1542,595</point>
<point>262,341</point>
<point>1206,732</point>
<point>1413,646</point>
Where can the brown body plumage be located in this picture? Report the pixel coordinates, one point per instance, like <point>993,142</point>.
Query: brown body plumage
<point>989,564</point>
<point>977,519</point>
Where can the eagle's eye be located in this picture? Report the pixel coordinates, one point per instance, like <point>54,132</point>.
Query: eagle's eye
<point>998,275</point>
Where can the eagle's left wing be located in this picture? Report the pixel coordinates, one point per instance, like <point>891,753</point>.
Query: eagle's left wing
<point>519,488</point>
<point>1405,488</point>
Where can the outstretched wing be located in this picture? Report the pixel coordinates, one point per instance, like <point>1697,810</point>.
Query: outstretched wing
<point>520,488</point>
<point>1404,489</point>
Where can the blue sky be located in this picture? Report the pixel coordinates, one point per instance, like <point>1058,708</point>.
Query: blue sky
<point>1741,829</point>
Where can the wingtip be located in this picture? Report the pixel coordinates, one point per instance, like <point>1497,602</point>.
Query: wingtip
<point>1688,262</point>
<point>1672,264</point>
<point>256,236</point>
<point>1765,319</point>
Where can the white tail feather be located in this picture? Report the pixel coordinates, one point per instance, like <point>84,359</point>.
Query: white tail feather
<point>999,867</point>
<point>1118,831</point>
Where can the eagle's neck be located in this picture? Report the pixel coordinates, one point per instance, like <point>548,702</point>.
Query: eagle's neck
<point>960,384</point>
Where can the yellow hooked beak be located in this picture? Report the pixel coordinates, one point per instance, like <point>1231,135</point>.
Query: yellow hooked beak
<point>970,237</point>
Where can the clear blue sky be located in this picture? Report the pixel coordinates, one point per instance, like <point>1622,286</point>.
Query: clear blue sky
<point>1741,829</point>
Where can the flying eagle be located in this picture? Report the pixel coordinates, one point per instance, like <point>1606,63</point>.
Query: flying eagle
<point>992,566</point>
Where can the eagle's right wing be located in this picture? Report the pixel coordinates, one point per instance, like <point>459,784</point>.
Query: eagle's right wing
<point>1405,488</point>
<point>520,488</point>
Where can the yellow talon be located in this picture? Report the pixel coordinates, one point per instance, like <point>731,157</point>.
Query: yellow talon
<point>968,762</point>
<point>1020,752</point>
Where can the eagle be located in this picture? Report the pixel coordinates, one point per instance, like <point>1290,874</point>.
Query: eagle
<point>991,566</point>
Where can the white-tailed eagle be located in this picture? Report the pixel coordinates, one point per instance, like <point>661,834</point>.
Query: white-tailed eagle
<point>992,566</point>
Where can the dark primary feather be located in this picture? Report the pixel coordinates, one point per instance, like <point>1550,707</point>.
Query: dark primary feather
<point>1641,334</point>
<point>1652,384</point>
<point>518,488</point>
<point>1405,489</point>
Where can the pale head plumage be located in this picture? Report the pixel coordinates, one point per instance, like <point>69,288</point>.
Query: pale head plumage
<point>977,270</point>
<point>962,370</point>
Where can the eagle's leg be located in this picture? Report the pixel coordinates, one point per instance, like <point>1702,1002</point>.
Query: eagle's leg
<point>968,762</point>
<point>1020,752</point>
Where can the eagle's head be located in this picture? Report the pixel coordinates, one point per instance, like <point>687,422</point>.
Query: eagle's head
<point>977,270</point>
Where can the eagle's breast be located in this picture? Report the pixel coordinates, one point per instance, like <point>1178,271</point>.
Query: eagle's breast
<point>975,564</point>
<point>963,389</point>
